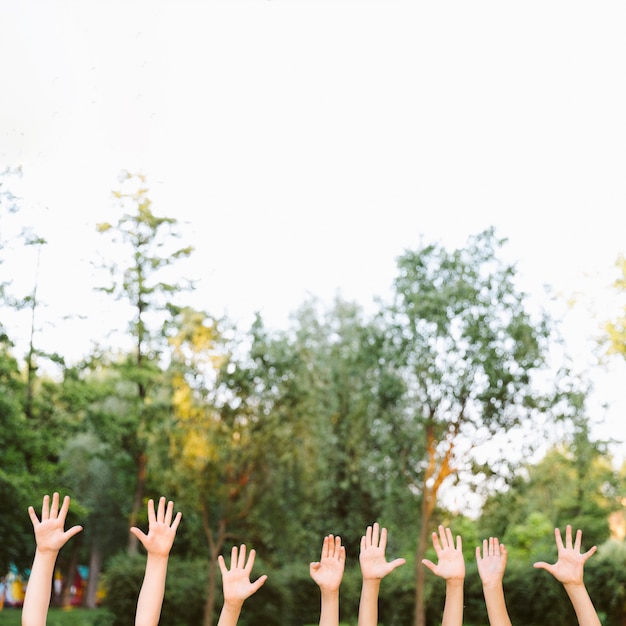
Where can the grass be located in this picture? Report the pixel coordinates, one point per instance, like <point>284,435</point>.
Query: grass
<point>59,617</point>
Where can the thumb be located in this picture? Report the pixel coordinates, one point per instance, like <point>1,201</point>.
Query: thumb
<point>543,565</point>
<point>396,563</point>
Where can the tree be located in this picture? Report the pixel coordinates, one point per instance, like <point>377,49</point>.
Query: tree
<point>148,242</point>
<point>467,348</point>
<point>616,329</point>
<point>213,440</point>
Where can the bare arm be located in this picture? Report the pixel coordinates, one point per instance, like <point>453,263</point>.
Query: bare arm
<point>374,567</point>
<point>328,573</point>
<point>568,570</point>
<point>450,566</point>
<point>491,568</point>
<point>236,584</point>
<point>158,543</point>
<point>50,538</point>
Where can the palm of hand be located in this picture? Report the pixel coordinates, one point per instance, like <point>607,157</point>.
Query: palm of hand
<point>373,563</point>
<point>237,585</point>
<point>450,563</point>
<point>491,568</point>
<point>569,566</point>
<point>159,539</point>
<point>329,573</point>
<point>49,534</point>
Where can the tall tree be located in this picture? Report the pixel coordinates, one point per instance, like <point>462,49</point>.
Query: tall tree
<point>616,329</point>
<point>214,440</point>
<point>467,347</point>
<point>148,245</point>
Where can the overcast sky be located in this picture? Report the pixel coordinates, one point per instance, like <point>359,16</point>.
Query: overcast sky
<point>305,145</point>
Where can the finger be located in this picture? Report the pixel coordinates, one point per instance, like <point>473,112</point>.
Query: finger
<point>326,546</point>
<point>151,513</point>
<point>485,548</point>
<point>233,557</point>
<point>368,536</point>
<point>222,565</point>
<point>54,508</point>
<point>139,534</point>
<point>579,540</point>
<point>589,553</point>
<point>45,508</point>
<point>161,510</point>
<point>383,539</point>
<point>33,516</point>
<point>558,538</point>
<point>313,567</point>
<point>396,563</point>
<point>449,538</point>
<point>176,522</point>
<point>543,565</point>
<point>258,583</point>
<point>70,532</point>
<point>375,534</point>
<point>493,548</point>
<point>169,512</point>
<point>436,544</point>
<point>459,543</point>
<point>342,554</point>
<point>363,540</point>
<point>337,548</point>
<point>568,537</point>
<point>241,562</point>
<point>64,508</point>
<point>430,565</point>
<point>477,552</point>
<point>250,562</point>
<point>442,537</point>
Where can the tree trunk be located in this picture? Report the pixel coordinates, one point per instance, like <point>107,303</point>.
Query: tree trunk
<point>420,573</point>
<point>209,607</point>
<point>95,566</point>
<point>133,542</point>
<point>216,542</point>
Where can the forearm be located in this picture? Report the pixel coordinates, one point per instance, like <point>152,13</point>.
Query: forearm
<point>152,591</point>
<point>583,606</point>
<point>38,590</point>
<point>368,604</point>
<point>496,605</point>
<point>329,612</point>
<point>230,614</point>
<point>453,607</point>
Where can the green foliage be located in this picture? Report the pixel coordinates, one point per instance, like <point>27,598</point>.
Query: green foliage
<point>62,617</point>
<point>185,590</point>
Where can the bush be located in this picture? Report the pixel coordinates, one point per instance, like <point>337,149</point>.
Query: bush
<point>185,590</point>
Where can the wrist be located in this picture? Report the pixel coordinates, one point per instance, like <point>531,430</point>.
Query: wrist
<point>233,604</point>
<point>455,582</point>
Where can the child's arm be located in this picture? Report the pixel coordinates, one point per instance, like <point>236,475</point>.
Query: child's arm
<point>569,571</point>
<point>236,584</point>
<point>374,567</point>
<point>158,543</point>
<point>50,538</point>
<point>327,573</point>
<point>451,567</point>
<point>491,568</point>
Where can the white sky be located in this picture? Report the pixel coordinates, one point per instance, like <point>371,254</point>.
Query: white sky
<point>306,144</point>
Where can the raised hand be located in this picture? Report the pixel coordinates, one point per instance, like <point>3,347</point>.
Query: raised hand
<point>328,571</point>
<point>236,580</point>
<point>450,562</point>
<point>49,533</point>
<point>161,529</point>
<point>374,565</point>
<point>492,563</point>
<point>569,566</point>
